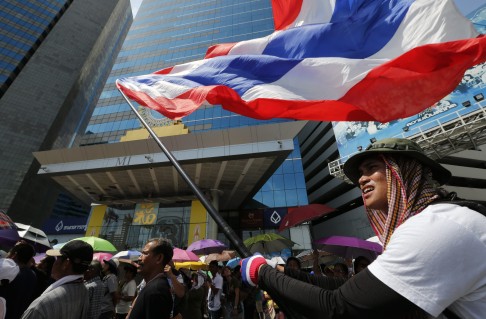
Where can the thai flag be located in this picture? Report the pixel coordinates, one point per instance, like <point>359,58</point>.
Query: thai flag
<point>328,60</point>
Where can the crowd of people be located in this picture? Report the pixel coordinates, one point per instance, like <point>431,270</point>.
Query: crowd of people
<point>413,278</point>
<point>68,283</point>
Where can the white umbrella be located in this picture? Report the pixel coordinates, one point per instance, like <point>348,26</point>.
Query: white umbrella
<point>35,236</point>
<point>128,254</point>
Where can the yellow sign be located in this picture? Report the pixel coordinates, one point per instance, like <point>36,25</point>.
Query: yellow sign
<point>146,214</point>
<point>198,222</point>
<point>95,220</point>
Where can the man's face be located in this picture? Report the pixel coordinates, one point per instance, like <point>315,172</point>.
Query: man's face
<point>149,262</point>
<point>373,183</point>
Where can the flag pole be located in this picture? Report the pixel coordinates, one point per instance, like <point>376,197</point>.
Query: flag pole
<point>227,230</point>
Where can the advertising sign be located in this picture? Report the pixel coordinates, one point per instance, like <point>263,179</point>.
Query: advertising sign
<point>272,217</point>
<point>71,225</point>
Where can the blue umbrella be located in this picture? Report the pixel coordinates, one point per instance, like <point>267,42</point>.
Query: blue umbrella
<point>232,263</point>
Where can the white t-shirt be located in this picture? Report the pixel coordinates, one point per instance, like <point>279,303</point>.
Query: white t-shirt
<point>128,289</point>
<point>436,260</point>
<point>214,301</point>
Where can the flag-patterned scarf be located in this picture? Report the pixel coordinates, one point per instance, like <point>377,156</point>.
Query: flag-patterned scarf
<point>410,190</point>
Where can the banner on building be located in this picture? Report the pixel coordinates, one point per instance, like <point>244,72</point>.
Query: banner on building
<point>252,219</point>
<point>272,217</point>
<point>198,222</point>
<point>145,214</point>
<point>54,226</point>
<point>95,222</point>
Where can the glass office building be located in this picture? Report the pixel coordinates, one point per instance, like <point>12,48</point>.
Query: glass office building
<point>55,56</point>
<point>165,33</point>
<point>23,27</point>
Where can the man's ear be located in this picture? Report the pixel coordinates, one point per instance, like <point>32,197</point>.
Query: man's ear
<point>160,258</point>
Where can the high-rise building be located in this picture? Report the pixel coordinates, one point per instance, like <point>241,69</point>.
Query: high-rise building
<point>55,57</point>
<point>166,33</point>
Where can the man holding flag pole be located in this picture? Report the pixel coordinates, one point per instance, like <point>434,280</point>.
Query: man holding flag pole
<point>328,61</point>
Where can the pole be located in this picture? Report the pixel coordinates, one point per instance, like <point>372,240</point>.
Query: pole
<point>227,230</point>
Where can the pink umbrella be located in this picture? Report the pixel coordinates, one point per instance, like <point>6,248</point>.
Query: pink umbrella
<point>184,255</point>
<point>102,256</point>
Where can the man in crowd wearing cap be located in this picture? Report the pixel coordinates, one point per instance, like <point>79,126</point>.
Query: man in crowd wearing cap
<point>67,297</point>
<point>8,271</point>
<point>110,282</point>
<point>428,238</point>
<point>155,299</point>
<point>20,292</point>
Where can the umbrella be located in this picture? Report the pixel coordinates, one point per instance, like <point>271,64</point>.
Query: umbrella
<point>307,258</point>
<point>193,265</point>
<point>34,236</point>
<point>98,244</point>
<point>207,246</point>
<point>8,231</point>
<point>232,263</point>
<point>268,243</point>
<point>349,247</point>
<point>128,254</point>
<point>224,256</point>
<point>102,256</point>
<point>302,214</point>
<point>278,260</point>
<point>181,255</point>
<point>39,257</point>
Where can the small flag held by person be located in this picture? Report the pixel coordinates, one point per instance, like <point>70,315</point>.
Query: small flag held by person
<point>328,60</point>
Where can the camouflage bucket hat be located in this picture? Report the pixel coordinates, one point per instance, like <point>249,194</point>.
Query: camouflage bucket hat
<point>395,146</point>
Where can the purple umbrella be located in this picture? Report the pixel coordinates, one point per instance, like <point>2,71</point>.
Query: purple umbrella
<point>207,246</point>
<point>8,232</point>
<point>349,247</point>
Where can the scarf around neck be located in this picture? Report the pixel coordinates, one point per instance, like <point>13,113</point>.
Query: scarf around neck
<point>409,192</point>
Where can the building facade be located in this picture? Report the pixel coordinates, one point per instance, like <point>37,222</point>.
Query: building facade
<point>163,34</point>
<point>55,57</point>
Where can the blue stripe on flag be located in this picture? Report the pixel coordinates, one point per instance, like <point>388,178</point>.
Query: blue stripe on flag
<point>240,73</point>
<point>357,30</point>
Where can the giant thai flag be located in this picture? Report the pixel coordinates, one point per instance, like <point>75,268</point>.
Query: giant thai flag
<point>328,60</point>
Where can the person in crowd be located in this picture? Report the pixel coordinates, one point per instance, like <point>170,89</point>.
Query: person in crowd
<point>231,289</point>
<point>20,291</point>
<point>155,299</point>
<point>195,297</point>
<point>293,263</point>
<point>42,271</point>
<point>360,263</point>
<point>340,270</point>
<point>177,282</point>
<point>127,292</point>
<point>96,290</point>
<point>67,297</point>
<point>8,271</point>
<point>418,224</point>
<point>110,282</point>
<point>215,286</point>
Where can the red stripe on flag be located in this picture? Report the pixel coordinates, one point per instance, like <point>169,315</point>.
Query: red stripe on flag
<point>164,71</point>
<point>285,12</point>
<point>219,49</point>
<point>415,80</point>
